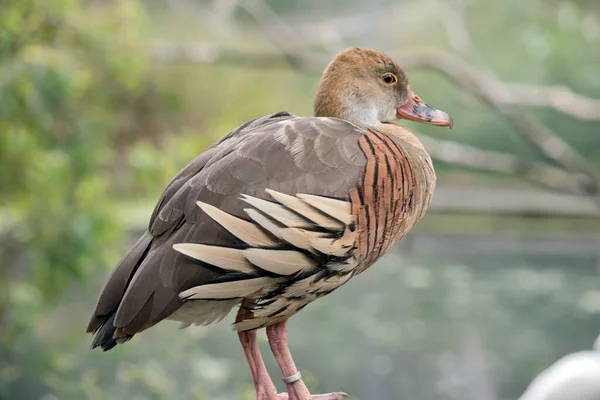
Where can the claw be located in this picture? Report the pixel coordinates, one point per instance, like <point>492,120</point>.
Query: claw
<point>340,395</point>
<point>337,396</point>
<point>327,396</point>
<point>330,396</point>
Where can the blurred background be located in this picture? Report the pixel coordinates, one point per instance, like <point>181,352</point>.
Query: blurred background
<point>102,102</point>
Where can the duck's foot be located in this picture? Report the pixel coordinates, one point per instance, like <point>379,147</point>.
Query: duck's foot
<point>326,396</point>
<point>297,390</point>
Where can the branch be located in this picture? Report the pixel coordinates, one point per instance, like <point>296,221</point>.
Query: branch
<point>216,18</point>
<point>482,83</point>
<point>498,95</point>
<point>494,94</point>
<point>551,145</point>
<point>540,174</point>
<point>556,97</point>
<point>209,53</point>
<point>280,34</point>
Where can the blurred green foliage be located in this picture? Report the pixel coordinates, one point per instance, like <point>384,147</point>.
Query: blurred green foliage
<point>75,93</point>
<point>88,123</point>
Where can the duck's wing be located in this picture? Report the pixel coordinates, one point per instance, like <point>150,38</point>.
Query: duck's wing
<point>234,199</point>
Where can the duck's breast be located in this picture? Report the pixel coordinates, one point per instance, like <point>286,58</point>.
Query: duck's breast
<point>393,195</point>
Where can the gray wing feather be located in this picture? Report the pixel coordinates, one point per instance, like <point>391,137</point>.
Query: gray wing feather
<point>280,152</point>
<point>116,283</point>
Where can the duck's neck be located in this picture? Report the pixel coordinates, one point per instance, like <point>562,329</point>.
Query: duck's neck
<point>347,108</point>
<point>340,99</point>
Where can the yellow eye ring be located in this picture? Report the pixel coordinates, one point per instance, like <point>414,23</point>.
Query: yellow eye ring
<point>388,78</point>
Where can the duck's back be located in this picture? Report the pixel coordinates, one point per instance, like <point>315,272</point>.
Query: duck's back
<point>366,190</point>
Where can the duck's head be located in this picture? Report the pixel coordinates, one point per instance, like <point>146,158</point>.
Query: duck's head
<point>366,86</point>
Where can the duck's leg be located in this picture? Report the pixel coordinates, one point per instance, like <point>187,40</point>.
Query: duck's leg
<point>265,389</point>
<point>297,390</point>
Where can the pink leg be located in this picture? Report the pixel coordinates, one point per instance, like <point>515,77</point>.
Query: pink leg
<point>265,389</point>
<point>277,335</point>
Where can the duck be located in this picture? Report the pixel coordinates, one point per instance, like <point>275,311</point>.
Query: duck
<point>280,212</point>
<point>574,376</point>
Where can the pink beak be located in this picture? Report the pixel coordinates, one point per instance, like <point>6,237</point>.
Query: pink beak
<point>416,110</point>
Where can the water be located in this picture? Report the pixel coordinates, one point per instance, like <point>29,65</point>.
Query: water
<point>441,317</point>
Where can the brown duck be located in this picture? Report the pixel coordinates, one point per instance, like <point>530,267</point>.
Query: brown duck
<point>281,211</point>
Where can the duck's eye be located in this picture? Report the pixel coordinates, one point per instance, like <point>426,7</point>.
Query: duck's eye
<point>388,78</point>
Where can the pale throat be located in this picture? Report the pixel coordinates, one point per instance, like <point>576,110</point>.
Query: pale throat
<point>361,112</point>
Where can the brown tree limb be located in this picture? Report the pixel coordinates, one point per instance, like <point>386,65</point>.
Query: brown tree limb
<point>491,92</point>
<point>540,174</point>
<point>549,143</point>
<point>555,97</point>
<point>498,95</point>
<point>208,53</point>
<point>280,34</point>
<point>480,82</point>
<point>217,18</point>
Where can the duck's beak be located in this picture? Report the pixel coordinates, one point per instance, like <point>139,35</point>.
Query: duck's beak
<point>416,110</point>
